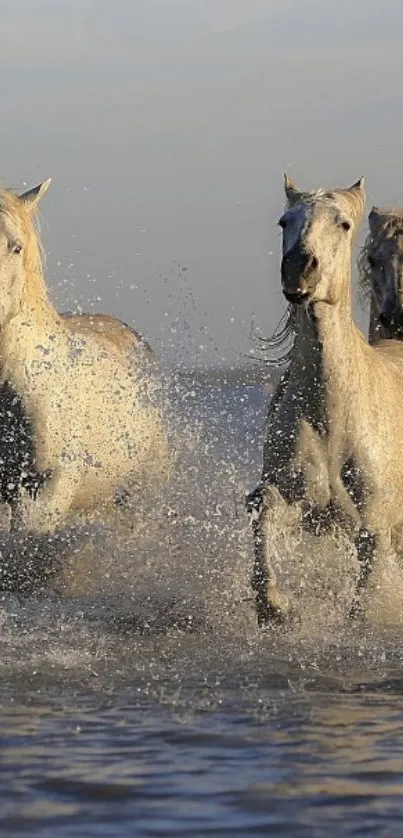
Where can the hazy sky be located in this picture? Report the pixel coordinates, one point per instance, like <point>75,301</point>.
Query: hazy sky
<point>166,126</point>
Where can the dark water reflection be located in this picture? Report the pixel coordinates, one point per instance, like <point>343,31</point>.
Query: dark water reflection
<point>283,764</point>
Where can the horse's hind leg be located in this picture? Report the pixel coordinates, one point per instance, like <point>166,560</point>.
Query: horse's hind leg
<point>271,604</point>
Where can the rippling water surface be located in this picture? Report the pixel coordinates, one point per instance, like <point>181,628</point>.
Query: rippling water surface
<point>142,699</point>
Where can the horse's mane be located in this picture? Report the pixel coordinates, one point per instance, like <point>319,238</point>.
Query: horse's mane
<point>276,350</point>
<point>36,291</point>
<point>364,268</point>
<point>388,224</point>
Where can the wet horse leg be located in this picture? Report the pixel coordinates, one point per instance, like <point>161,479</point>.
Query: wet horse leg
<point>50,506</point>
<point>365,546</point>
<point>19,499</point>
<point>373,551</point>
<point>271,604</point>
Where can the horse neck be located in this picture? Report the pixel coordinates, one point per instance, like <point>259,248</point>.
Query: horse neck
<point>30,326</point>
<point>326,347</point>
<point>340,341</point>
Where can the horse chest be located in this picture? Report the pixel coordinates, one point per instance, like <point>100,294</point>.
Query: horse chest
<point>311,460</point>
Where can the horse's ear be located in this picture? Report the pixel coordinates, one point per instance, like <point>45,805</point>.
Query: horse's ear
<point>33,196</point>
<point>356,191</point>
<point>293,194</point>
<point>358,186</point>
<point>356,198</point>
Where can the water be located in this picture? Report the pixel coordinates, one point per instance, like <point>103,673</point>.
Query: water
<point>310,764</point>
<point>143,700</point>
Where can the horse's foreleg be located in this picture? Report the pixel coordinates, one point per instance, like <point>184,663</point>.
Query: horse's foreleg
<point>271,604</point>
<point>374,553</point>
<point>347,509</point>
<point>365,546</point>
<point>51,505</point>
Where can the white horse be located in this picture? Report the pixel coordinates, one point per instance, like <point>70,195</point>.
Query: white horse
<point>334,434</point>
<point>111,327</point>
<point>79,417</point>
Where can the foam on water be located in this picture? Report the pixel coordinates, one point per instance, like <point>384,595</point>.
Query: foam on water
<point>160,592</point>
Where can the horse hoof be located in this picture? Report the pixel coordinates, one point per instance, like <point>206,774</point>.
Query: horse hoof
<point>268,614</point>
<point>275,611</point>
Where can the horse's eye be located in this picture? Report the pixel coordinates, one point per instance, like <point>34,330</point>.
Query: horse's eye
<point>346,226</point>
<point>16,248</point>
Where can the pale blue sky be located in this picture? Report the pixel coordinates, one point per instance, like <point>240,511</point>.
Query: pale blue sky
<point>166,126</point>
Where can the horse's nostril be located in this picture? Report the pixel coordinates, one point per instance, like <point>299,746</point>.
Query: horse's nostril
<point>312,263</point>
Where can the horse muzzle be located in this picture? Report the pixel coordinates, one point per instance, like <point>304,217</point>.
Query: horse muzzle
<point>296,297</point>
<point>298,270</point>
